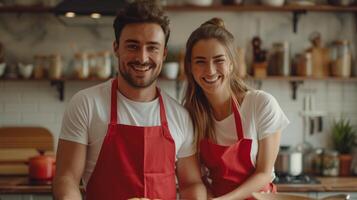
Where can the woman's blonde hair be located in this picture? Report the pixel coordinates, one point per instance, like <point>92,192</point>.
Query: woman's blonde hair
<point>195,101</point>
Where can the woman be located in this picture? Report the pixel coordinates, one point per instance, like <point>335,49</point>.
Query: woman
<point>238,129</point>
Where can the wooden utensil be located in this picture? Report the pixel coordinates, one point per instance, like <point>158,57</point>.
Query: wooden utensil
<point>319,56</point>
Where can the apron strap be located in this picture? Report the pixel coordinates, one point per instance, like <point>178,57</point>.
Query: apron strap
<point>114,107</point>
<point>162,110</point>
<point>113,103</point>
<point>238,119</point>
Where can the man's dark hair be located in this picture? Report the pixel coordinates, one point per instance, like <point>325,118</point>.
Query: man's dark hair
<point>141,11</point>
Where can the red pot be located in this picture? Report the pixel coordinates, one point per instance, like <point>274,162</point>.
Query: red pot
<point>42,167</point>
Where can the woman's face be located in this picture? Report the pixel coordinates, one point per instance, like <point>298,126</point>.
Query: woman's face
<point>211,66</point>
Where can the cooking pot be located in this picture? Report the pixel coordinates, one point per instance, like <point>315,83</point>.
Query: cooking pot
<point>42,167</point>
<point>289,161</point>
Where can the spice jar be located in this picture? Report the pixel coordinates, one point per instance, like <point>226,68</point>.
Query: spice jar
<point>40,67</point>
<point>316,162</point>
<point>81,65</point>
<point>341,58</point>
<point>92,64</point>
<point>280,59</point>
<point>55,66</point>
<point>330,166</point>
<point>104,65</point>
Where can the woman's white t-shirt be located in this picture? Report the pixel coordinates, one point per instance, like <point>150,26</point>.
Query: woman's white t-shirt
<point>261,116</point>
<point>87,116</point>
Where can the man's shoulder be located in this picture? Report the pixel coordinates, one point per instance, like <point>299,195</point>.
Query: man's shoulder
<point>173,106</point>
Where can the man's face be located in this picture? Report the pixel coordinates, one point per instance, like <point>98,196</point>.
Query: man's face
<point>140,53</point>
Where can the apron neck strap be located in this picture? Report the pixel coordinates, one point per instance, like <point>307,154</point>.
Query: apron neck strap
<point>237,118</point>
<point>114,106</point>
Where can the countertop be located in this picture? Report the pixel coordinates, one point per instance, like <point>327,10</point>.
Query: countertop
<point>21,185</point>
<point>328,184</point>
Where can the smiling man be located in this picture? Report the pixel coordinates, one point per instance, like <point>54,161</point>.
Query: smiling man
<point>125,138</point>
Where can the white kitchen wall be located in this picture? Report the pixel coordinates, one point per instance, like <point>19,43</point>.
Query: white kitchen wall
<point>37,103</point>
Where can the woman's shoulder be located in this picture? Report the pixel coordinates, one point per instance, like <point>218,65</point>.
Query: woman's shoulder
<point>259,96</point>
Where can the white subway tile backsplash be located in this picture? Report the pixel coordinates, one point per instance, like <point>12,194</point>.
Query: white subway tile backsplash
<point>37,118</point>
<point>10,97</point>
<point>21,108</point>
<point>53,107</point>
<point>9,119</point>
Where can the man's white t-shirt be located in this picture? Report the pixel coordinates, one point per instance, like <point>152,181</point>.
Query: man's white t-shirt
<point>87,116</point>
<point>261,116</point>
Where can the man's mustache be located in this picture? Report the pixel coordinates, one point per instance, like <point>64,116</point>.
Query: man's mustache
<point>145,64</point>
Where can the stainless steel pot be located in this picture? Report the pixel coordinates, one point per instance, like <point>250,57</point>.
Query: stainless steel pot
<point>289,161</point>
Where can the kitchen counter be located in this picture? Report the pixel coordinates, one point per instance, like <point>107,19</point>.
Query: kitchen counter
<point>21,185</point>
<point>328,184</point>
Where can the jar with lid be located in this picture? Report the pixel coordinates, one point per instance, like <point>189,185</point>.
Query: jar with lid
<point>81,65</point>
<point>280,59</point>
<point>104,65</point>
<point>92,64</point>
<point>40,67</point>
<point>55,66</point>
<point>341,58</point>
<point>331,164</point>
<point>316,162</point>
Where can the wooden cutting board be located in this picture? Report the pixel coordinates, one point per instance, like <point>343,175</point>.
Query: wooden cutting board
<point>18,144</point>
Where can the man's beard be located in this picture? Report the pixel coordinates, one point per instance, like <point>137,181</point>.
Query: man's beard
<point>132,80</point>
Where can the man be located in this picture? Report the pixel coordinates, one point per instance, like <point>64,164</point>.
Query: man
<point>125,138</point>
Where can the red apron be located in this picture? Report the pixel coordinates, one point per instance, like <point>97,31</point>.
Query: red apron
<point>229,166</point>
<point>134,161</point>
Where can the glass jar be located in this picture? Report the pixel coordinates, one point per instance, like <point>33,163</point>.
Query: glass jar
<point>331,164</point>
<point>341,58</point>
<point>316,162</point>
<point>280,59</point>
<point>104,65</point>
<point>92,64</point>
<point>81,65</point>
<point>40,67</point>
<point>55,66</point>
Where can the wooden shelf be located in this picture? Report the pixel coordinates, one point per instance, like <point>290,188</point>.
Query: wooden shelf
<point>26,9</point>
<point>213,8</point>
<point>276,78</point>
<point>263,8</point>
<point>302,78</point>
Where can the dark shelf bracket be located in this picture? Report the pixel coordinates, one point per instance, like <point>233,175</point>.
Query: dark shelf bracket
<point>296,16</point>
<point>294,87</point>
<point>59,84</point>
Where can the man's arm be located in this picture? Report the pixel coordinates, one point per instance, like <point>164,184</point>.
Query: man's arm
<point>70,163</point>
<point>189,178</point>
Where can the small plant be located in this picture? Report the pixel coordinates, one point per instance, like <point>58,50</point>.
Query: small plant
<point>343,136</point>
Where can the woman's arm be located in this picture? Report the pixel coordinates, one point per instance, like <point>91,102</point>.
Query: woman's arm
<point>268,149</point>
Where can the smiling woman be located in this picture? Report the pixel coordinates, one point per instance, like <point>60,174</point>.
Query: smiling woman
<point>237,128</point>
